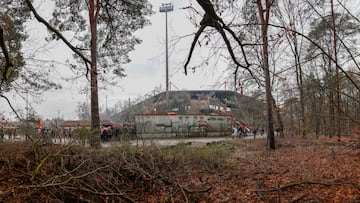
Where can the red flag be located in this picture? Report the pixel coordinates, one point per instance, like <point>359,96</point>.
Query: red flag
<point>39,123</point>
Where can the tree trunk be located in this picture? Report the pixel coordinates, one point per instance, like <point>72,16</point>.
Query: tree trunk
<point>264,31</point>
<point>292,125</point>
<point>279,119</point>
<point>337,124</point>
<point>299,81</point>
<point>95,118</point>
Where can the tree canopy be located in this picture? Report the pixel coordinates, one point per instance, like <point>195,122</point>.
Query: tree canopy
<point>17,73</point>
<point>116,23</point>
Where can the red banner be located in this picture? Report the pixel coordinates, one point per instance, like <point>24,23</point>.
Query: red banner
<point>39,123</point>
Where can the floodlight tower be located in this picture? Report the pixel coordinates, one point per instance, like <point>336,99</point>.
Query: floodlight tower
<point>166,7</point>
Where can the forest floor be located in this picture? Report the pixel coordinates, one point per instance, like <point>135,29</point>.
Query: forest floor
<point>299,170</point>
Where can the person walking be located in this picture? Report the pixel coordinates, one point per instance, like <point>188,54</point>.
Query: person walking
<point>254,132</point>
<point>1,134</point>
<point>262,131</point>
<point>240,131</point>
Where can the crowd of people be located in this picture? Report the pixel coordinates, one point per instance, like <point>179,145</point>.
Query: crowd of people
<point>7,133</point>
<point>58,134</point>
<point>242,130</point>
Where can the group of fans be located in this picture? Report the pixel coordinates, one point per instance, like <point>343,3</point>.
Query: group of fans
<point>110,132</point>
<point>242,130</point>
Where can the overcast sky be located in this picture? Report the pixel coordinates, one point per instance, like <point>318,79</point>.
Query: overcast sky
<point>144,73</point>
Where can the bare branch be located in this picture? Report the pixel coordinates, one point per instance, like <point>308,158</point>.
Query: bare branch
<point>197,35</point>
<point>211,19</point>
<point>324,52</point>
<point>12,108</point>
<point>57,32</point>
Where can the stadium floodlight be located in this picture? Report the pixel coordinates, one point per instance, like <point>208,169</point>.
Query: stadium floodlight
<point>165,8</point>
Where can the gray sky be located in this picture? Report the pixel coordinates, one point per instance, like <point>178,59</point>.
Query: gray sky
<point>144,73</point>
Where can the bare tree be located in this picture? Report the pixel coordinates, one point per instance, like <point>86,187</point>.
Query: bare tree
<point>107,38</point>
<point>296,15</point>
<point>84,111</point>
<point>264,15</point>
<point>337,126</point>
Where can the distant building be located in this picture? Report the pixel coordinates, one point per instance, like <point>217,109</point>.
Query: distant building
<point>72,124</point>
<point>245,108</point>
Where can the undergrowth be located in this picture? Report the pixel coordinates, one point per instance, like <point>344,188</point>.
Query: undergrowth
<point>68,173</point>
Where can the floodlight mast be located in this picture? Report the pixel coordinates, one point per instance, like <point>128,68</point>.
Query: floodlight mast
<point>165,8</point>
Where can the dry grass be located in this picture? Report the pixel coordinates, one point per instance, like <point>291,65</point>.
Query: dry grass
<point>299,170</point>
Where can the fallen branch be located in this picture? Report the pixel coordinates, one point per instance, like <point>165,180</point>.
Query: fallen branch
<point>42,162</point>
<point>291,185</point>
<point>122,195</point>
<point>182,191</point>
<point>69,179</point>
<point>299,197</point>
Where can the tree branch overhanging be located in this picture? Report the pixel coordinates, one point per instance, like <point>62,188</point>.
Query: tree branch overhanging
<point>324,52</point>
<point>57,32</point>
<point>6,54</point>
<point>211,19</point>
<point>11,106</point>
